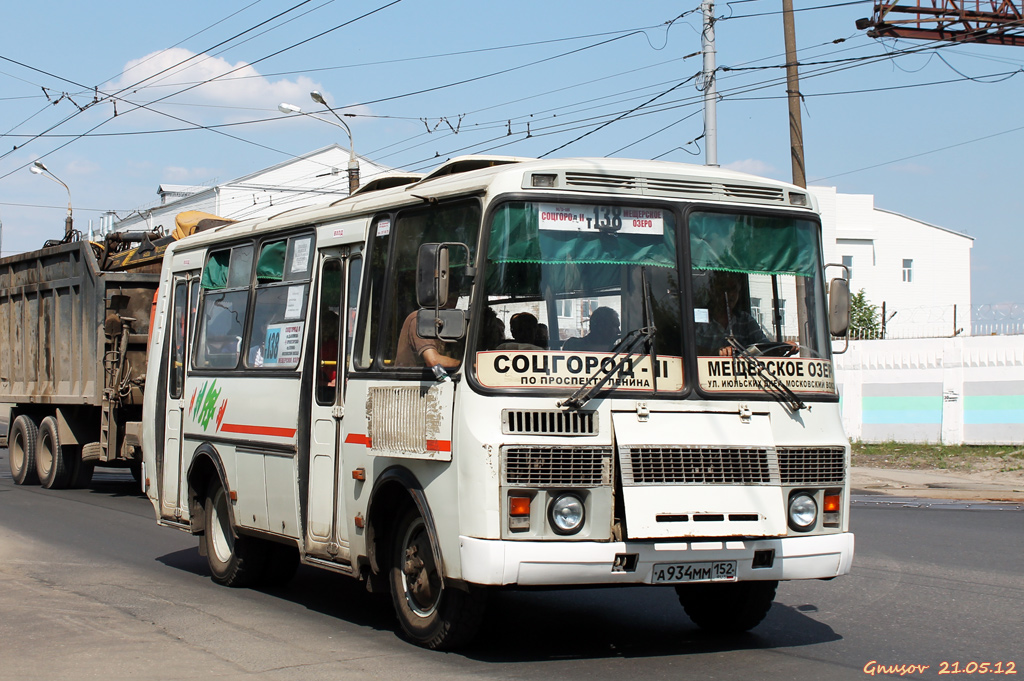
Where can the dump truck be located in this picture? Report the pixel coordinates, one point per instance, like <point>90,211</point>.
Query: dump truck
<point>74,330</point>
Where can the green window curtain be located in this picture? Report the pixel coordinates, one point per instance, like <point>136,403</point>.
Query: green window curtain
<point>753,244</point>
<point>515,238</point>
<point>215,274</point>
<point>270,266</point>
<point>519,250</point>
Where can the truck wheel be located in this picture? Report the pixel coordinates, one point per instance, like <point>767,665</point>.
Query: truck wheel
<point>432,613</point>
<point>21,452</point>
<point>234,560</point>
<point>51,466</point>
<point>730,608</point>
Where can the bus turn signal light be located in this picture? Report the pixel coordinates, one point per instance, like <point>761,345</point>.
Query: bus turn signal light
<point>831,503</point>
<point>519,506</point>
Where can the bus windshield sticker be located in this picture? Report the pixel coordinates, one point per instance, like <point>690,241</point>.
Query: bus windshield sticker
<point>545,369</point>
<point>799,374</point>
<point>293,308</point>
<point>300,256</point>
<point>384,228</point>
<point>283,344</point>
<point>700,315</point>
<point>624,220</point>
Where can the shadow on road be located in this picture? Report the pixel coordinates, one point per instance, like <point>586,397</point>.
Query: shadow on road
<point>549,625</point>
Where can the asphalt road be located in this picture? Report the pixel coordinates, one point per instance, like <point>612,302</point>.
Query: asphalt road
<point>91,587</point>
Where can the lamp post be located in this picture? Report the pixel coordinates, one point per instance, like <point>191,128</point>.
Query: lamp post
<point>37,168</point>
<point>353,162</point>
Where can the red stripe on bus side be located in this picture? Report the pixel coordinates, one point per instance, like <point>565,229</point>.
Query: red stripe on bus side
<point>269,431</point>
<point>358,439</point>
<point>439,445</point>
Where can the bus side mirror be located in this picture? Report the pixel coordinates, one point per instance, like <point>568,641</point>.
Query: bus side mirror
<point>839,307</point>
<point>446,325</point>
<point>432,275</point>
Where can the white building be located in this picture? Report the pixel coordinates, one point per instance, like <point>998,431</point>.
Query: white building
<point>921,272</point>
<point>316,177</point>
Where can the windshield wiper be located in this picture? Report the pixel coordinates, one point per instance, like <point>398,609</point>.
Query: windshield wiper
<point>772,385</point>
<point>626,348</point>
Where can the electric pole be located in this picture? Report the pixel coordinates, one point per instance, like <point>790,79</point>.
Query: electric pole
<point>707,43</point>
<point>796,132</point>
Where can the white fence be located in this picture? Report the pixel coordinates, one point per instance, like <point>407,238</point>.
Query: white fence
<point>964,390</point>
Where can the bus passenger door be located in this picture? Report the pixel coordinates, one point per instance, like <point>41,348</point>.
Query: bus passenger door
<point>327,534</point>
<point>185,296</point>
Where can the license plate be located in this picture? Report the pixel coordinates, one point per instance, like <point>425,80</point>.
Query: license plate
<point>711,571</point>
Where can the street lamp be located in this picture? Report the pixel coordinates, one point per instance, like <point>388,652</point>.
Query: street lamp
<point>353,163</point>
<point>37,168</point>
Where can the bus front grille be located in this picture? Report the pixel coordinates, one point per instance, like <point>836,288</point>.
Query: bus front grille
<point>548,422</point>
<point>557,466</point>
<point>698,466</point>
<point>812,465</point>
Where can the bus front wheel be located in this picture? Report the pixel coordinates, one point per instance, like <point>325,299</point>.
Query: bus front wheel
<point>432,614</point>
<point>727,608</point>
<point>234,560</point>
<point>22,451</point>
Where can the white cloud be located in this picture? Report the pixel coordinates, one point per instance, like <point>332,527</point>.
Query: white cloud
<point>752,166</point>
<point>241,84</point>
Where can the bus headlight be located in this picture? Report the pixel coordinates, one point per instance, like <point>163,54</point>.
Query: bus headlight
<point>566,514</point>
<point>803,511</point>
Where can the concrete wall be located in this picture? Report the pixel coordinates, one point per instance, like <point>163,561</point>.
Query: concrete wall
<point>964,390</point>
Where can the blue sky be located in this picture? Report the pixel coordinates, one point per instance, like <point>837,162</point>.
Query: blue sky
<point>933,134</point>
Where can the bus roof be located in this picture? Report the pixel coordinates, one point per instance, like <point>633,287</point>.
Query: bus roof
<point>495,175</point>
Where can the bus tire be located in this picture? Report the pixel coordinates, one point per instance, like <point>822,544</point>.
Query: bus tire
<point>51,459</point>
<point>432,614</point>
<point>235,561</point>
<point>727,608</point>
<point>21,452</point>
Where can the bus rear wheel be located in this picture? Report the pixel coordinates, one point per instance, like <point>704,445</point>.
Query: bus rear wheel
<point>729,608</point>
<point>235,561</point>
<point>432,613</point>
<point>21,452</point>
<point>51,459</point>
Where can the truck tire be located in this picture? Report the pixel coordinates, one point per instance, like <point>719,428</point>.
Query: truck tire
<point>432,614</point>
<point>235,561</point>
<point>727,608</point>
<point>51,464</point>
<point>21,452</point>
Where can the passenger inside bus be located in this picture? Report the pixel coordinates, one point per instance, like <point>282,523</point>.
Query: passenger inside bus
<point>524,333</point>
<point>604,331</point>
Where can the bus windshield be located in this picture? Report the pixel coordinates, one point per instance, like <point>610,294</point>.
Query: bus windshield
<point>564,282</point>
<point>566,285</point>
<point>758,292</point>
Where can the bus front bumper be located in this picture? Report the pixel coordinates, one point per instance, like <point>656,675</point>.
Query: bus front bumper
<point>549,563</point>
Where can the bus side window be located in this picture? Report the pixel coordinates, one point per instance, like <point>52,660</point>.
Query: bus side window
<point>457,222</point>
<point>328,332</point>
<point>279,313</point>
<point>225,285</point>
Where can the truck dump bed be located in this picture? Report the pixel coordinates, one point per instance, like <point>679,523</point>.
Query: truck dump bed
<point>60,318</point>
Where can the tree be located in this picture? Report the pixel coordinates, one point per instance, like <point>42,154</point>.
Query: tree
<point>864,317</point>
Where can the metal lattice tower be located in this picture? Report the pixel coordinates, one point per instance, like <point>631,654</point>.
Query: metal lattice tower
<point>997,22</point>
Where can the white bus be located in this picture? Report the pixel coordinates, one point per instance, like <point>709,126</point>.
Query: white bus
<point>508,373</point>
